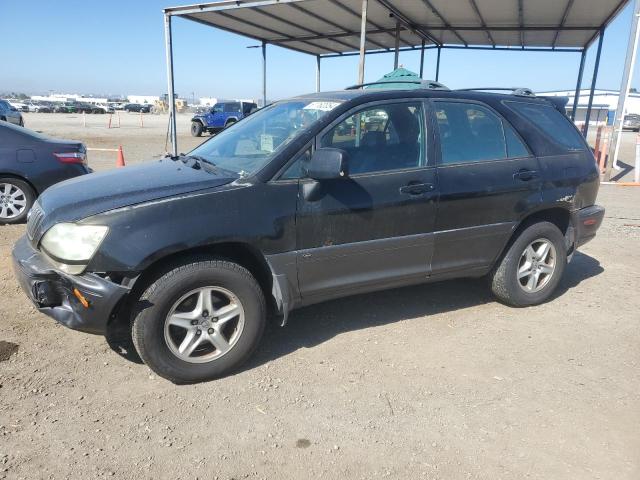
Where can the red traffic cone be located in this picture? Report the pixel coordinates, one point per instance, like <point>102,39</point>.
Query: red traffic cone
<point>120,160</point>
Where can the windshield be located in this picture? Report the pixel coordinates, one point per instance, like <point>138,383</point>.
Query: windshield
<point>252,143</point>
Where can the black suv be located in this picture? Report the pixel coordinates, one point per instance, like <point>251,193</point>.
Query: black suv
<point>310,199</point>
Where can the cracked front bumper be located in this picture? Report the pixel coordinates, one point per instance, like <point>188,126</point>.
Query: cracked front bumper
<point>52,291</point>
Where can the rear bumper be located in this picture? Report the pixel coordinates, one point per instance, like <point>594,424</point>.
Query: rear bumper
<point>52,291</point>
<point>586,222</point>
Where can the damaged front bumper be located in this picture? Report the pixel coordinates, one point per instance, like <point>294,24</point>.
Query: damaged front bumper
<point>53,291</point>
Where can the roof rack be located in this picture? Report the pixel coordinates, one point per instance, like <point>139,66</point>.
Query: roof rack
<point>428,84</point>
<point>519,91</point>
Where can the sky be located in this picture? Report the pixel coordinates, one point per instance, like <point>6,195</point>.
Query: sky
<point>116,47</point>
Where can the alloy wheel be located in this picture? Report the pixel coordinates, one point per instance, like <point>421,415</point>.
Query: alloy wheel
<point>204,324</point>
<point>13,201</point>
<point>537,265</point>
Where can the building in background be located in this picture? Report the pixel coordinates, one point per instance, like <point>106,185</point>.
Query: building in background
<point>68,97</point>
<point>143,99</point>
<point>604,104</point>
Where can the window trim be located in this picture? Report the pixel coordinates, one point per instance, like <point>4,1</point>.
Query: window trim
<point>372,104</point>
<point>438,153</point>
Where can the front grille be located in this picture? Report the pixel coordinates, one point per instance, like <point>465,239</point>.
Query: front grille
<point>36,215</point>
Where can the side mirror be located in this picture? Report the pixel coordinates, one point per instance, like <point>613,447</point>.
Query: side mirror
<point>328,163</point>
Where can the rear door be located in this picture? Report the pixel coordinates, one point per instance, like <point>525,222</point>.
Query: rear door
<point>373,229</point>
<point>487,178</point>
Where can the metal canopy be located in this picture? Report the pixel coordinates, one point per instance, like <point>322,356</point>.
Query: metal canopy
<point>332,27</point>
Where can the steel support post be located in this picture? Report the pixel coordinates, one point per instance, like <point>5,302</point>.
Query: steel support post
<point>594,79</point>
<point>576,97</point>
<point>627,75</point>
<point>171,100</point>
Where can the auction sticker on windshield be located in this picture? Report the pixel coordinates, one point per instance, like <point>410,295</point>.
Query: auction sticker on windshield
<point>322,106</point>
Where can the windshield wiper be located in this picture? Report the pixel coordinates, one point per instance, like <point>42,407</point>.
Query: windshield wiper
<point>200,158</point>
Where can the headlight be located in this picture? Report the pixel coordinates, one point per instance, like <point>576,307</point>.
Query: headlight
<point>68,242</point>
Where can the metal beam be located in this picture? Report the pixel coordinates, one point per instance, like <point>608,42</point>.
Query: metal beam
<point>275,32</point>
<point>576,97</point>
<point>318,58</point>
<point>397,49</point>
<point>444,21</point>
<point>609,19</point>
<point>389,31</point>
<point>404,20</point>
<point>562,22</point>
<point>223,5</point>
<point>422,60</point>
<point>301,27</point>
<point>171,101</point>
<point>460,47</point>
<point>474,5</point>
<point>264,74</point>
<point>346,31</point>
<point>627,75</point>
<point>363,40</point>
<point>438,64</point>
<point>594,79</point>
<point>521,21</point>
<point>431,27</point>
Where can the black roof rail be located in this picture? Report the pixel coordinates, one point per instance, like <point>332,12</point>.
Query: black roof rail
<point>428,84</point>
<point>519,91</point>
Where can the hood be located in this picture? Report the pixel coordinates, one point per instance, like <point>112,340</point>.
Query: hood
<point>96,193</point>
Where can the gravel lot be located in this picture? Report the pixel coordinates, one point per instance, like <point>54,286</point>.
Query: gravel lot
<point>436,381</point>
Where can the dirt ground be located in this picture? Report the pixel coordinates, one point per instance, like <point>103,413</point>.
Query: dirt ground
<point>436,381</point>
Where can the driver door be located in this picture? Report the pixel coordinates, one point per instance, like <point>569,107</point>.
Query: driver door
<point>374,228</point>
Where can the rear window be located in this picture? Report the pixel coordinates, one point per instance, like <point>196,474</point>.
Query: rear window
<point>553,123</point>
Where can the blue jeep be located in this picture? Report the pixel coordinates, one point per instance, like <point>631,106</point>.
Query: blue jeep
<point>220,116</point>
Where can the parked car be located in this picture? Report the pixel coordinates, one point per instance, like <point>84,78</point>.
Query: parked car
<point>288,209</point>
<point>82,107</point>
<point>66,107</point>
<point>631,122</point>
<point>137,107</point>
<point>38,107</point>
<point>29,164</point>
<point>9,113</point>
<point>220,116</point>
<point>20,105</point>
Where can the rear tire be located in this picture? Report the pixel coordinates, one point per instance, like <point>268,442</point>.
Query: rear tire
<point>196,129</point>
<point>163,320</point>
<point>532,267</point>
<point>16,199</point>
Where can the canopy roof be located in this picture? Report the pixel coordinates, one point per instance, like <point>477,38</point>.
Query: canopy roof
<point>332,27</point>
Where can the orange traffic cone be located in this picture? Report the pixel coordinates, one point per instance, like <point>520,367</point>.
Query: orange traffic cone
<point>120,160</point>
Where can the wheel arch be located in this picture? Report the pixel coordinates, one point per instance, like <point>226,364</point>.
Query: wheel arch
<point>243,254</point>
<point>4,174</point>
<point>559,216</point>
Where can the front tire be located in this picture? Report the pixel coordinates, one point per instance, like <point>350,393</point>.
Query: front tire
<point>532,267</point>
<point>196,129</point>
<point>199,321</point>
<point>16,199</point>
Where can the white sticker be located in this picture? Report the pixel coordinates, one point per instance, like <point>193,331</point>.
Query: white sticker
<point>266,142</point>
<point>323,106</point>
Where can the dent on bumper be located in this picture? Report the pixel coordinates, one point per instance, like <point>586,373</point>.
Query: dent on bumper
<point>52,291</point>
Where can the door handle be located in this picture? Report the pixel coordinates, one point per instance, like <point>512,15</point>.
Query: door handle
<point>525,175</point>
<point>416,188</point>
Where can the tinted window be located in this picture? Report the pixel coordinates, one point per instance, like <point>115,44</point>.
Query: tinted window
<point>232,107</point>
<point>3,106</point>
<point>386,137</point>
<point>297,168</point>
<point>217,108</point>
<point>551,122</point>
<point>469,133</point>
<point>515,147</point>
